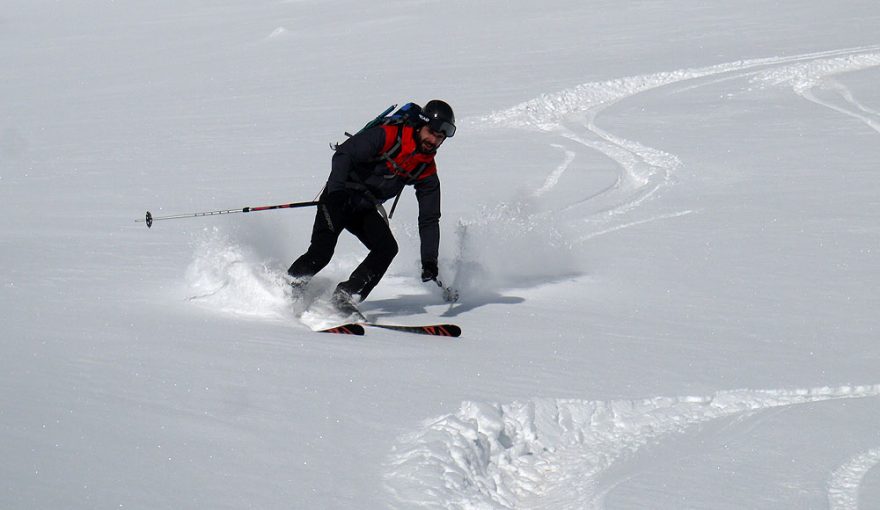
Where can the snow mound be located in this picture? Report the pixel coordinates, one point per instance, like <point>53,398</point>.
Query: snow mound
<point>550,453</point>
<point>227,277</point>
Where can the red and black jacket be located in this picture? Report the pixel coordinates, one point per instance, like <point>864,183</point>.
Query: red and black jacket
<point>371,168</point>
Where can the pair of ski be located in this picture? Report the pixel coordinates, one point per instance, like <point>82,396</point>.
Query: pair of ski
<point>357,328</point>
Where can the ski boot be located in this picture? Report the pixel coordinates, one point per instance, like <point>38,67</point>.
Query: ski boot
<point>298,285</point>
<point>346,304</point>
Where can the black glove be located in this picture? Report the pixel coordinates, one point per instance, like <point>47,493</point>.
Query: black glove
<point>429,270</point>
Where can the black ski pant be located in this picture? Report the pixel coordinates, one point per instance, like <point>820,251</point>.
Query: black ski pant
<point>369,227</point>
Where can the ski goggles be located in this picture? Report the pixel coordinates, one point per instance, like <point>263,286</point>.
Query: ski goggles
<point>442,126</point>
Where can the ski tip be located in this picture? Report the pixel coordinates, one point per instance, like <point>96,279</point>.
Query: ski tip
<point>345,329</point>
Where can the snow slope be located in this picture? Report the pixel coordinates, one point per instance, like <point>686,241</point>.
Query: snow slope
<point>661,217</point>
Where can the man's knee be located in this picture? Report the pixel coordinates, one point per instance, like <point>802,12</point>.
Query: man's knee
<point>393,248</point>
<point>388,250</point>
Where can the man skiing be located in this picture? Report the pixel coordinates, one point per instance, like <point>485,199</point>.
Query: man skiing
<point>369,168</point>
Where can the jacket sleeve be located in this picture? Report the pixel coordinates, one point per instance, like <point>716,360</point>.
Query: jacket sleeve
<point>428,195</point>
<point>358,150</point>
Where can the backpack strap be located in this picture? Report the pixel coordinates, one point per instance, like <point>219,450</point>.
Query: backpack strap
<point>395,149</point>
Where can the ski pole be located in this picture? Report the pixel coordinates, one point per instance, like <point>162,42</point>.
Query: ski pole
<point>149,219</point>
<point>450,295</point>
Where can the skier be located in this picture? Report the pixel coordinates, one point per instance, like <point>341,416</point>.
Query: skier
<point>368,169</point>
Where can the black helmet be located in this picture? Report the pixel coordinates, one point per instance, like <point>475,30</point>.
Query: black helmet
<point>439,117</point>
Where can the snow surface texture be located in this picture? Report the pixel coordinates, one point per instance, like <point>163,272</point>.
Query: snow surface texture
<point>551,454</point>
<point>662,217</point>
<point>546,453</point>
<point>646,171</point>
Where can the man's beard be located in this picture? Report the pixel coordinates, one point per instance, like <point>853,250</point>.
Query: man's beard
<point>423,147</point>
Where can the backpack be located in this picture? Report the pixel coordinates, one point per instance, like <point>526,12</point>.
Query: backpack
<point>406,114</point>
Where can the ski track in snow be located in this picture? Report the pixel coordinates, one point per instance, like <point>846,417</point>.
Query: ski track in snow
<point>546,453</point>
<point>646,171</point>
<point>553,178</point>
<point>843,493</point>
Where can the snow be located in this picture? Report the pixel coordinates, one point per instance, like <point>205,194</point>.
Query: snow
<point>554,453</point>
<point>661,217</point>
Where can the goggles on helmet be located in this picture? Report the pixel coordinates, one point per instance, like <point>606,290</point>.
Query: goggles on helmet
<point>442,126</point>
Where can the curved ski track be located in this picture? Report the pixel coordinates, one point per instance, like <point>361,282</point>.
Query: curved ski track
<point>545,453</point>
<point>645,171</point>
